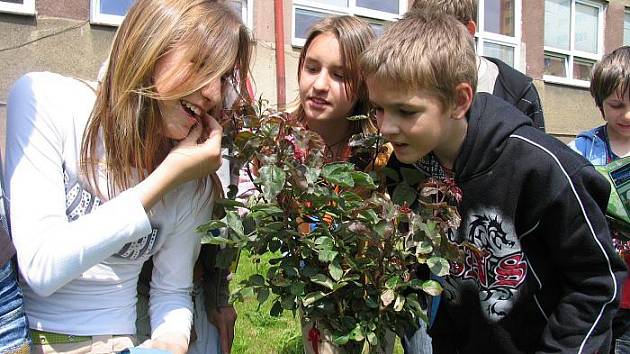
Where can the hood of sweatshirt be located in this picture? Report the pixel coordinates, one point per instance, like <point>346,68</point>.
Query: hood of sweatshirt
<point>491,121</point>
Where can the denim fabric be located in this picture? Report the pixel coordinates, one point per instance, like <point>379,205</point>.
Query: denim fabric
<point>418,342</point>
<point>13,323</point>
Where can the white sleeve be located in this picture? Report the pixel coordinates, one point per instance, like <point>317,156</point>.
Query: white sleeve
<point>172,280</point>
<point>51,250</point>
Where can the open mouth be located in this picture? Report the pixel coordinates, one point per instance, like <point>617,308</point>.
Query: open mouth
<point>191,109</point>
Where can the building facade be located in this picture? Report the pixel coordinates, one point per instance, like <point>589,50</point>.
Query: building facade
<point>555,42</point>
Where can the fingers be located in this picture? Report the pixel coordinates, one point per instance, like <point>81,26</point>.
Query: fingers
<point>193,136</point>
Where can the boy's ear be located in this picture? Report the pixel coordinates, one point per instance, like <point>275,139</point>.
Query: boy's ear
<point>463,100</point>
<point>471,26</point>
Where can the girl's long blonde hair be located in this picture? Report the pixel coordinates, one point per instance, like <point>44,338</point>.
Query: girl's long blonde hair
<point>353,35</point>
<point>126,117</point>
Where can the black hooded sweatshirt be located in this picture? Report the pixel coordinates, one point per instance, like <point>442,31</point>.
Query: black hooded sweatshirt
<point>544,276</point>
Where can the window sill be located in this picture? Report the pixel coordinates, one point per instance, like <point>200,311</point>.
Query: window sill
<point>566,82</point>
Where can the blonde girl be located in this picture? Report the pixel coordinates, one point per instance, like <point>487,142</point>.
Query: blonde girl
<point>101,179</point>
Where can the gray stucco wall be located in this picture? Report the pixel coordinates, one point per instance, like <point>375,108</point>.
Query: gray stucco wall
<point>68,47</point>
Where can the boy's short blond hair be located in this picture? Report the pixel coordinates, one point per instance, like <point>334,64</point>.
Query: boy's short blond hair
<point>609,74</point>
<point>425,51</point>
<point>464,10</point>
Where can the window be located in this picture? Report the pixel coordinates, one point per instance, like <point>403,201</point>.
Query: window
<point>626,28</point>
<point>573,40</point>
<point>112,12</point>
<point>26,7</point>
<point>499,30</point>
<point>109,12</point>
<point>376,12</point>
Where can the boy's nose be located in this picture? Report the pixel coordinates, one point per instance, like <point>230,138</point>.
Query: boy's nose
<point>386,125</point>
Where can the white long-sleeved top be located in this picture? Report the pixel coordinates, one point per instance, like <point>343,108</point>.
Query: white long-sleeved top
<point>80,257</point>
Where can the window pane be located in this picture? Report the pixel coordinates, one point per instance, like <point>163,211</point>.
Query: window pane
<point>582,69</point>
<point>238,6</point>
<point>304,19</point>
<point>626,29</point>
<point>377,28</point>
<point>503,52</point>
<point>342,3</point>
<point>587,23</point>
<point>555,65</point>
<point>557,23</point>
<point>390,6</point>
<point>499,16</point>
<point>115,7</point>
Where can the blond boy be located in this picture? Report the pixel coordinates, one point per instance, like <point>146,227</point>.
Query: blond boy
<point>542,275</point>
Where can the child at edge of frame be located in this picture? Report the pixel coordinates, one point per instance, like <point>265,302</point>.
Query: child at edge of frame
<point>610,88</point>
<point>540,273</point>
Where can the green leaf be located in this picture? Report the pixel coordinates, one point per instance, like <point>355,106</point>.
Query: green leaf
<point>438,266</point>
<point>276,309</point>
<point>214,240</point>
<point>209,226</point>
<point>363,179</point>
<point>323,280</point>
<point>432,287</point>
<point>391,174</point>
<point>339,174</point>
<point>371,303</point>
<point>263,295</point>
<point>404,193</point>
<point>341,340</point>
<point>257,279</point>
<point>411,175</point>
<point>288,302</point>
<point>392,282</point>
<point>327,255</point>
<point>372,338</point>
<point>266,209</point>
<point>272,179</point>
<point>311,298</point>
<point>229,203</point>
<point>235,223</point>
<point>424,247</point>
<point>335,270</point>
<point>297,288</point>
<point>369,216</point>
<point>357,334</point>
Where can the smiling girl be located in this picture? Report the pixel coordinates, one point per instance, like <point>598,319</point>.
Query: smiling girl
<point>100,179</point>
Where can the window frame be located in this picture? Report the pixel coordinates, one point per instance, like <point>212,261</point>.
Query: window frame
<point>371,16</point>
<point>571,54</point>
<point>482,36</point>
<point>27,8</point>
<point>626,15</point>
<point>98,18</point>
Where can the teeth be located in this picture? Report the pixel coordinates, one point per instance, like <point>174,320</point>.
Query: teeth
<point>196,110</point>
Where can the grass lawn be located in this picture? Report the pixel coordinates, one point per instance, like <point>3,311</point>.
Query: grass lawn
<point>259,332</point>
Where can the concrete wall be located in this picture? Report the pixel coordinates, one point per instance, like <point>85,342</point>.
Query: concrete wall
<point>69,47</point>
